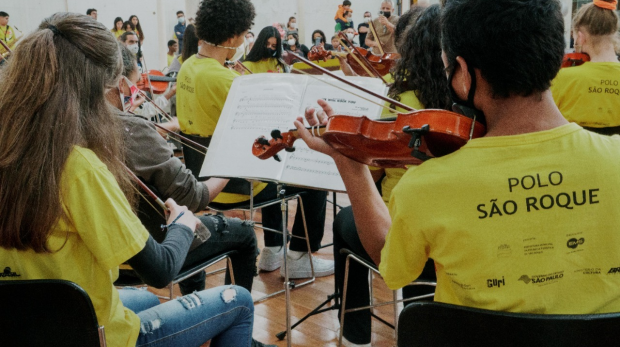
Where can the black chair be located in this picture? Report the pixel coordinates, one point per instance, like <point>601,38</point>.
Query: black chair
<point>48,313</point>
<point>431,324</point>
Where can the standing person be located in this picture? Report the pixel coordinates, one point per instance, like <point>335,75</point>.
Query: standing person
<point>341,17</point>
<point>204,83</point>
<point>190,48</point>
<point>173,47</point>
<point>76,222</point>
<point>136,23</point>
<point>92,13</point>
<point>580,90</point>
<point>498,244</point>
<point>129,27</point>
<point>117,29</point>
<point>363,29</point>
<point>384,25</point>
<point>266,54</point>
<point>179,29</point>
<point>291,26</point>
<point>420,82</point>
<point>249,42</point>
<point>7,34</point>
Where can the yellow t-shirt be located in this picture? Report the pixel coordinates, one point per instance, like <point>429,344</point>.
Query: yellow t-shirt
<point>392,176</point>
<point>202,89</point>
<point>170,58</point>
<point>514,223</point>
<point>265,65</point>
<point>102,233</point>
<point>589,95</point>
<point>118,33</point>
<point>7,34</point>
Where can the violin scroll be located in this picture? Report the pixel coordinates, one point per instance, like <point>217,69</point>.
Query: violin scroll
<point>265,149</point>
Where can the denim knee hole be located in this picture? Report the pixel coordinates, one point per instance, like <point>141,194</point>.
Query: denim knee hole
<point>190,301</point>
<point>150,326</point>
<point>229,295</point>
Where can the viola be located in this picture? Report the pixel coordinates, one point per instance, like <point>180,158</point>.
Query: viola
<point>362,61</point>
<point>408,139</point>
<point>158,81</point>
<point>574,59</point>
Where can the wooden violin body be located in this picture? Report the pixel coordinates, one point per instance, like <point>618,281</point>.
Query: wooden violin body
<point>381,64</point>
<point>575,59</point>
<point>159,82</point>
<point>409,139</point>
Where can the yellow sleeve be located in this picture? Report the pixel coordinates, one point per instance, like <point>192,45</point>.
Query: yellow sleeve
<point>103,218</point>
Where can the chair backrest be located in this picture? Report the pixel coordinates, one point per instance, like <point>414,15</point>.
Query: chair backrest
<point>194,160</point>
<point>47,313</point>
<point>435,324</point>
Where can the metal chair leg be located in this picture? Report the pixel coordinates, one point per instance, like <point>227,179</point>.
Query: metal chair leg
<point>344,299</point>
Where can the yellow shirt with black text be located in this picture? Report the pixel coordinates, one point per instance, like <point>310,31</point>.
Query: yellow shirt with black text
<point>589,95</point>
<point>102,233</point>
<point>524,223</point>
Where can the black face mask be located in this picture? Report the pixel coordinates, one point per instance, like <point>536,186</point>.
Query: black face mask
<point>466,108</point>
<point>271,52</point>
<point>386,14</point>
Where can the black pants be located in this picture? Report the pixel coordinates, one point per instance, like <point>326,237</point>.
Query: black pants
<point>357,327</point>
<point>227,234</point>
<point>314,201</point>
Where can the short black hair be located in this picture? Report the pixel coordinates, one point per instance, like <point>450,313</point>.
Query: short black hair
<point>218,21</point>
<point>180,12</point>
<point>171,43</point>
<point>3,14</point>
<point>346,3</point>
<point>123,37</point>
<point>517,45</point>
<point>259,50</point>
<point>90,10</point>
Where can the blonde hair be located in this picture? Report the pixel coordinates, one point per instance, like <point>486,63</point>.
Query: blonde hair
<point>597,22</point>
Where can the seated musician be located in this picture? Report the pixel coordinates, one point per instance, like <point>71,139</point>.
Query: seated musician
<point>67,214</point>
<point>266,54</point>
<point>420,83</point>
<point>589,95</point>
<point>517,220</point>
<point>151,159</point>
<point>203,85</point>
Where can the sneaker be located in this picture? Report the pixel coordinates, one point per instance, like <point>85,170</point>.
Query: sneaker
<point>259,344</point>
<point>299,266</point>
<point>271,258</point>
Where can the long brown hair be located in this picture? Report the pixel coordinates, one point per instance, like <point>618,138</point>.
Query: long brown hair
<point>52,99</point>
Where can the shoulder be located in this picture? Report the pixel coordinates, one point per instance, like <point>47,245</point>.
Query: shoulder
<point>84,160</point>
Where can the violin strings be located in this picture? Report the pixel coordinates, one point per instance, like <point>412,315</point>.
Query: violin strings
<point>356,58</point>
<point>345,90</point>
<point>174,138</point>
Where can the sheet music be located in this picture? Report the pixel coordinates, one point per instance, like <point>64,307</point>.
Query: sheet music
<point>259,103</point>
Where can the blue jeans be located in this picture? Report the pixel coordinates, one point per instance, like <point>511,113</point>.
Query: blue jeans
<point>224,315</point>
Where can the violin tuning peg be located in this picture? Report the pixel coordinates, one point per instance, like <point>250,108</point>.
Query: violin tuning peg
<point>277,158</point>
<point>290,149</point>
<point>263,141</point>
<point>276,134</point>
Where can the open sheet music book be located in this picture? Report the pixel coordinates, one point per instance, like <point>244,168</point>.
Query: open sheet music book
<point>260,103</point>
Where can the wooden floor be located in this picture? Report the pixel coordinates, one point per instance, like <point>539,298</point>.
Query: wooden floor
<point>319,330</point>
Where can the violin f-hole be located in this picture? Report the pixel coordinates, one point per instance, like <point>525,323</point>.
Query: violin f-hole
<point>416,140</point>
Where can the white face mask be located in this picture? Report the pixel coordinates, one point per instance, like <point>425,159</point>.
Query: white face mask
<point>366,19</point>
<point>350,36</point>
<point>238,53</point>
<point>181,20</point>
<point>134,48</point>
<point>294,25</point>
<point>250,40</point>
<point>291,42</point>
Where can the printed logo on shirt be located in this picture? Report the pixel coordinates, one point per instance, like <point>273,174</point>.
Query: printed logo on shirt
<point>8,273</point>
<point>542,280</point>
<point>496,282</point>
<point>590,271</point>
<point>574,243</point>
<point>614,270</point>
<point>504,251</point>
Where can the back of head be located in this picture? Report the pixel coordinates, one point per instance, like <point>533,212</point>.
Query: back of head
<point>598,18</point>
<point>406,20</point>
<point>51,99</point>
<point>517,45</point>
<point>190,42</point>
<point>217,21</point>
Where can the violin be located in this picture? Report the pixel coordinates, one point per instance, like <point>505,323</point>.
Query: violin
<point>574,59</point>
<point>408,139</point>
<point>158,82</point>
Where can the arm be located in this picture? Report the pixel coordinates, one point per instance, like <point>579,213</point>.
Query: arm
<point>372,218</point>
<point>370,39</point>
<point>180,32</point>
<point>215,186</point>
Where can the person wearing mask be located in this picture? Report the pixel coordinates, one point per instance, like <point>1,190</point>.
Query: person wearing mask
<point>48,231</point>
<point>350,32</point>
<point>384,26</point>
<point>319,38</point>
<point>117,29</point>
<point>130,40</point>
<point>179,29</point>
<point>249,42</point>
<point>585,94</point>
<point>138,28</point>
<point>204,83</point>
<point>342,26</point>
<point>92,13</point>
<point>291,26</point>
<point>420,83</point>
<point>363,29</point>
<point>341,17</point>
<point>266,55</point>
<point>293,45</point>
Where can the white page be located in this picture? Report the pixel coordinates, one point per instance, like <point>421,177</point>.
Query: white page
<point>256,104</point>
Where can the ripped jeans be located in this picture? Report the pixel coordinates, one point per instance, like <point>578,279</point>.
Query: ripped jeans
<point>224,315</point>
<point>227,234</point>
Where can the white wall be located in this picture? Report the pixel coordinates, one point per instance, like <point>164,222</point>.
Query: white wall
<point>158,17</point>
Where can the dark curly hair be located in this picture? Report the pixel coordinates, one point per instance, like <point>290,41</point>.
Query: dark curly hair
<point>517,45</point>
<point>259,50</point>
<point>420,68</point>
<point>218,21</point>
